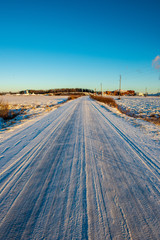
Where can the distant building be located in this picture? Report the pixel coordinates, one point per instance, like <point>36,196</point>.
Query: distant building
<point>122,93</point>
<point>140,94</point>
<point>26,92</point>
<point>129,93</point>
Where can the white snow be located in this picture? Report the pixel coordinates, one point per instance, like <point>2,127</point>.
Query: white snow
<point>32,100</point>
<point>142,107</point>
<point>79,172</point>
<point>29,106</point>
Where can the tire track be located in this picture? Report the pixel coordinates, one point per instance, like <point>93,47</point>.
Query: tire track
<point>32,131</point>
<point>36,144</point>
<point>19,171</point>
<point>27,191</point>
<point>140,200</point>
<point>79,179</point>
<point>77,187</point>
<point>145,159</point>
<point>102,198</point>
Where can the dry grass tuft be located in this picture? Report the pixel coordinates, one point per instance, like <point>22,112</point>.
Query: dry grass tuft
<point>4,109</point>
<point>126,111</point>
<point>107,100</point>
<point>7,114</point>
<point>72,97</point>
<point>155,120</point>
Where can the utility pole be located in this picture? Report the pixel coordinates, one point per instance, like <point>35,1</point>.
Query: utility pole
<point>101,89</point>
<point>120,86</point>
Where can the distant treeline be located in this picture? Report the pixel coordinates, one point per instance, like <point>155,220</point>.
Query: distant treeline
<point>58,91</point>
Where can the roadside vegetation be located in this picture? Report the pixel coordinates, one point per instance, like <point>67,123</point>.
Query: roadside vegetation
<point>153,118</point>
<point>6,113</point>
<point>112,103</point>
<point>4,109</point>
<point>107,100</point>
<point>74,96</point>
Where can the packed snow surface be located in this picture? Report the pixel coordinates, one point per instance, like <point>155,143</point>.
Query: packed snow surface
<point>79,172</point>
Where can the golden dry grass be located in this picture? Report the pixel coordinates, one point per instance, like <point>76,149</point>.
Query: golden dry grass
<point>107,100</point>
<point>4,109</point>
<point>72,97</point>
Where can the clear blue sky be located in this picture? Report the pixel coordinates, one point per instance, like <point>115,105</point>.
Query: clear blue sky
<point>70,43</point>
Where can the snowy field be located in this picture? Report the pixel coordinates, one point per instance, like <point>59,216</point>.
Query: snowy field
<point>19,101</point>
<point>141,106</point>
<point>79,172</point>
<point>29,106</point>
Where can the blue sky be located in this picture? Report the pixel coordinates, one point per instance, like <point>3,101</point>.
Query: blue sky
<point>69,43</point>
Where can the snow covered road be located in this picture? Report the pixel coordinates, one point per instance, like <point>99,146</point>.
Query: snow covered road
<point>79,172</point>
